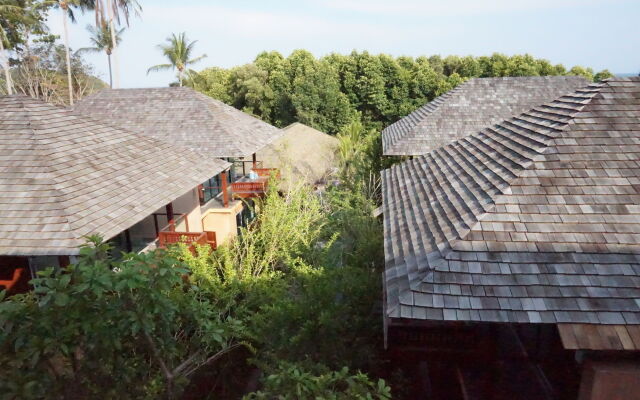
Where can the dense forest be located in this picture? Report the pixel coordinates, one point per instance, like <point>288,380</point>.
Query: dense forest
<point>329,92</point>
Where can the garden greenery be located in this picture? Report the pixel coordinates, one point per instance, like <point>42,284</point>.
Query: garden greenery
<point>329,92</point>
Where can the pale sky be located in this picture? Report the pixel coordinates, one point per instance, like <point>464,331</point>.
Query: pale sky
<point>592,33</point>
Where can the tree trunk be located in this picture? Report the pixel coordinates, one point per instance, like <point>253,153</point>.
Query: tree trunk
<point>66,47</point>
<point>110,77</point>
<point>180,76</point>
<point>5,66</point>
<point>114,44</point>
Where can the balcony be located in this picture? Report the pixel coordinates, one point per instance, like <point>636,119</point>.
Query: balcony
<point>247,187</point>
<point>169,236</point>
<point>166,238</point>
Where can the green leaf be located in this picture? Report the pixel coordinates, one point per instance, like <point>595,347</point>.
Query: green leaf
<point>61,299</point>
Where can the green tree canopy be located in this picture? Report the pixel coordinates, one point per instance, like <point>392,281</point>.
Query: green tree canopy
<point>328,92</point>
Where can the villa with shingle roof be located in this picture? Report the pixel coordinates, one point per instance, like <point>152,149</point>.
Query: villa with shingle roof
<point>517,248</point>
<point>469,107</point>
<point>64,176</point>
<point>184,117</point>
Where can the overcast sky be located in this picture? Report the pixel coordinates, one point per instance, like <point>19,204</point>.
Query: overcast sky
<point>593,33</point>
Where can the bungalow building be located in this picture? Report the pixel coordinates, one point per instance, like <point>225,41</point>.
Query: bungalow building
<point>469,107</point>
<point>64,176</point>
<point>513,254</point>
<point>181,116</point>
<point>302,154</point>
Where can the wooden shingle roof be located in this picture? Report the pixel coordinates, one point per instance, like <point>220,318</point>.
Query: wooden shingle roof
<point>180,115</point>
<point>473,105</point>
<point>63,177</point>
<point>534,220</point>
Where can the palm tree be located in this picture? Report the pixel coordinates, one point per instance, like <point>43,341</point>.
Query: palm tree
<point>65,7</point>
<point>114,8</point>
<point>101,38</point>
<point>178,51</point>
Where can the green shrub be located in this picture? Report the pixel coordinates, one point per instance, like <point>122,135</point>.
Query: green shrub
<point>291,381</point>
<point>99,328</point>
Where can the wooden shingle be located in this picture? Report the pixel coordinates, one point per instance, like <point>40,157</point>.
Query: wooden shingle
<point>182,116</point>
<point>533,219</point>
<point>473,105</point>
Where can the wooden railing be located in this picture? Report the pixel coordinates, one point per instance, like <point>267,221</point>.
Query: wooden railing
<point>8,284</point>
<point>267,172</point>
<point>166,238</point>
<point>249,188</point>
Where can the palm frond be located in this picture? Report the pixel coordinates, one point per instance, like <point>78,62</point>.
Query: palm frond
<point>160,67</point>
<point>197,59</point>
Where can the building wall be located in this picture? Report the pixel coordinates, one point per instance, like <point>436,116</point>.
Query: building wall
<point>189,204</point>
<point>221,220</point>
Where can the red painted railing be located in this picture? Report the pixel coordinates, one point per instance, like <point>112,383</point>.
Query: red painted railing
<point>249,187</point>
<point>267,172</point>
<point>166,238</point>
<point>8,284</point>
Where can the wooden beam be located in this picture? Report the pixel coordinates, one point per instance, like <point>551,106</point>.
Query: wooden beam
<point>170,218</point>
<point>225,190</point>
<point>127,241</point>
<point>255,160</point>
<point>63,261</point>
<point>201,194</point>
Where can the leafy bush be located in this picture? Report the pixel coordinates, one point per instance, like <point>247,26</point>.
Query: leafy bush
<point>290,381</point>
<point>126,329</point>
<point>326,315</point>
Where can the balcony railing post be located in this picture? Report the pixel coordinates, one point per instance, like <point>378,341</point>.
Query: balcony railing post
<point>201,194</point>
<point>170,218</point>
<point>225,191</point>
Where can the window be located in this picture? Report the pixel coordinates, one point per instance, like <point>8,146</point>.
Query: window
<point>211,188</point>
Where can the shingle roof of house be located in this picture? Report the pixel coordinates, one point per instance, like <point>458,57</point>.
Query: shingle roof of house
<point>534,220</point>
<point>181,116</point>
<point>473,105</point>
<point>63,177</point>
<point>302,153</point>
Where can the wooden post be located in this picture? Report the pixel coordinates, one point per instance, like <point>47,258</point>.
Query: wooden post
<point>155,224</point>
<point>255,161</point>
<point>63,261</point>
<point>127,241</point>
<point>170,219</point>
<point>201,194</point>
<point>225,192</point>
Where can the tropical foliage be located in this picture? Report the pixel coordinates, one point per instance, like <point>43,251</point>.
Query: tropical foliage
<point>102,40</point>
<point>179,51</point>
<point>99,328</point>
<point>291,382</point>
<point>327,93</point>
<point>42,74</point>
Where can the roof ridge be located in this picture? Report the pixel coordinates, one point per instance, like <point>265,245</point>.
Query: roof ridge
<point>209,101</point>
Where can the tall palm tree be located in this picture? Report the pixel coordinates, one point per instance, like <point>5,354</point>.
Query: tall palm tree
<point>65,7</point>
<point>179,51</point>
<point>101,38</point>
<point>114,9</point>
